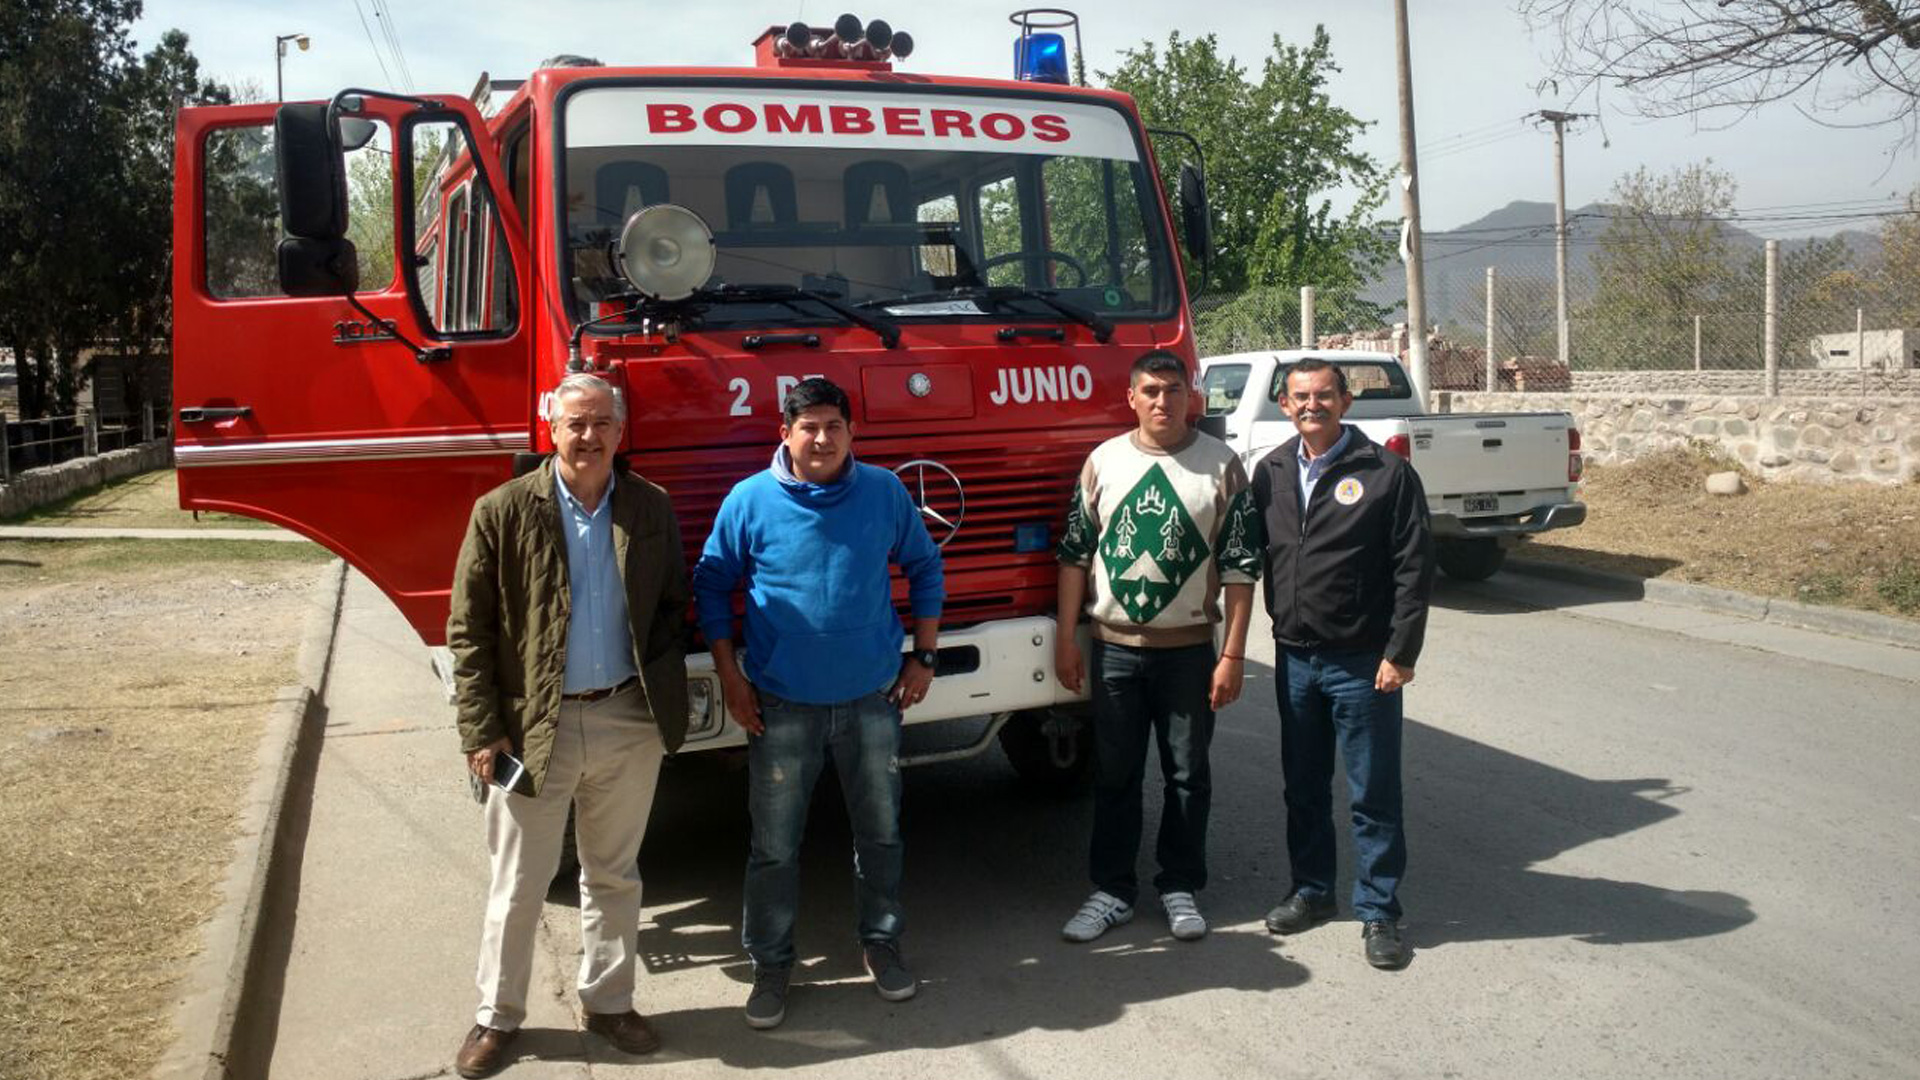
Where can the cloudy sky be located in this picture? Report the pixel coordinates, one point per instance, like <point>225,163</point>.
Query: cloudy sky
<point>1477,72</point>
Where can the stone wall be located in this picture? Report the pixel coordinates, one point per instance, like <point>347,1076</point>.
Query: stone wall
<point>38,487</point>
<point>1870,384</point>
<point>1800,438</point>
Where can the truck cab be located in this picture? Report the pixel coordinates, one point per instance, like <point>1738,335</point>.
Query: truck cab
<point>375,295</point>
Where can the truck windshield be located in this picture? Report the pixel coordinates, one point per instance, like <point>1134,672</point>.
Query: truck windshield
<point>885,201</point>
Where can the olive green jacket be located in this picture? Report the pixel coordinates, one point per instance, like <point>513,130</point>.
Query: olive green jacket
<point>508,626</point>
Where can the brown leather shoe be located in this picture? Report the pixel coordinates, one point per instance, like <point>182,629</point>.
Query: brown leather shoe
<point>628,1030</point>
<point>483,1053</point>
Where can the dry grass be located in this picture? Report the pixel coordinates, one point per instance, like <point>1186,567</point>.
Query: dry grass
<point>147,501</point>
<point>1854,545</point>
<point>136,681</point>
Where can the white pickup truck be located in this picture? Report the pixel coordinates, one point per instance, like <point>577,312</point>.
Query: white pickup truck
<point>1489,477</point>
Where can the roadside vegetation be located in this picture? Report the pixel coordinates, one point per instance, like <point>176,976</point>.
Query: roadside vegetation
<point>1852,545</point>
<point>147,501</point>
<point>138,678</point>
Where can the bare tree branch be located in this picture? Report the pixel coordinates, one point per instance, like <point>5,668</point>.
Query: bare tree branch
<point>1706,57</point>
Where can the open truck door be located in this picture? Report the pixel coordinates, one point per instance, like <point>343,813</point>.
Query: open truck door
<point>364,388</point>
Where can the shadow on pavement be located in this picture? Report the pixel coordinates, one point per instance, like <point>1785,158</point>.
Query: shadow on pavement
<point>993,868</point>
<point>1511,593</point>
<point>1480,818</point>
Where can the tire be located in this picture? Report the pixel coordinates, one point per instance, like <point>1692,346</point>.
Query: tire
<point>1470,560</point>
<point>1051,750</point>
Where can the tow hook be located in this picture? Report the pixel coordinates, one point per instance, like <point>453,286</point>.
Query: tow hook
<point>1062,745</point>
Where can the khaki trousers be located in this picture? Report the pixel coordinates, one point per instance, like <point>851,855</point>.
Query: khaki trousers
<point>606,762</point>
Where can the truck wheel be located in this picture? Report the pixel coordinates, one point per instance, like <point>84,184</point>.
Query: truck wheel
<point>1050,749</point>
<point>1470,560</point>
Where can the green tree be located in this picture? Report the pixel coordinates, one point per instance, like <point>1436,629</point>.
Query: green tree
<point>85,186</point>
<point>1276,151</point>
<point>1665,256</point>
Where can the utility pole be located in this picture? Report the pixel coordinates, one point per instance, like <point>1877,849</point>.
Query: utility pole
<point>1559,120</point>
<point>1410,203</point>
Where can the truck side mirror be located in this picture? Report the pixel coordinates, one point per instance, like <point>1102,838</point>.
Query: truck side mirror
<point>312,170</point>
<point>311,267</point>
<point>1195,218</point>
<point>315,258</point>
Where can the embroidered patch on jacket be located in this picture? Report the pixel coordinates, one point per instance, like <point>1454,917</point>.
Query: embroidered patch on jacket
<point>1151,547</point>
<point>1348,492</point>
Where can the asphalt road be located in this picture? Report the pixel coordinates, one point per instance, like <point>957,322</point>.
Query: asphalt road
<point>1645,841</point>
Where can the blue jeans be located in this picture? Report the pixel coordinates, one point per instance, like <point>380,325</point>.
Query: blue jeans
<point>1327,699</point>
<point>1160,694</point>
<point>863,735</point>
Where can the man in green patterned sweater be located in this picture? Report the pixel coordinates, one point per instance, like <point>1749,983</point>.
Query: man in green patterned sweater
<point>1162,525</point>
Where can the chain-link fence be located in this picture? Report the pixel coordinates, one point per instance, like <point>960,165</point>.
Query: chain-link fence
<point>1796,320</point>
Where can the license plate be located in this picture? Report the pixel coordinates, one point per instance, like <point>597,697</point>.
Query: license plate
<point>1482,504</point>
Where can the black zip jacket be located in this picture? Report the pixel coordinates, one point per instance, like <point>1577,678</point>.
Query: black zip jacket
<point>1354,571</point>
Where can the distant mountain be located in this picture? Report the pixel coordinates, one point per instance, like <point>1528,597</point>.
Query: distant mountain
<point>1517,240</point>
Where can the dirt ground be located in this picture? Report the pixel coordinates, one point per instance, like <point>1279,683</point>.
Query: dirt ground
<point>1852,545</point>
<point>136,679</point>
<point>148,501</point>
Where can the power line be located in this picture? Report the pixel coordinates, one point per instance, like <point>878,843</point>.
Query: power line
<point>372,45</point>
<point>387,30</point>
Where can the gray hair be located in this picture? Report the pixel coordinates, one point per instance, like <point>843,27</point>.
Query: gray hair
<point>582,383</point>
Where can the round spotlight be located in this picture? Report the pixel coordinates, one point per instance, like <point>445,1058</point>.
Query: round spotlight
<point>902,44</point>
<point>798,38</point>
<point>879,34</point>
<point>666,251</point>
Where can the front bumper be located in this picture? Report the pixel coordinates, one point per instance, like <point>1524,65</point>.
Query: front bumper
<point>1003,666</point>
<point>1539,519</point>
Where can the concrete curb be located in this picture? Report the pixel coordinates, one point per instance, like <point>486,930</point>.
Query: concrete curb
<point>1865,625</point>
<point>216,986</point>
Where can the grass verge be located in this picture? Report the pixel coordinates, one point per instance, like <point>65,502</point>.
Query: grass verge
<point>1851,545</point>
<point>147,501</point>
<point>137,681</point>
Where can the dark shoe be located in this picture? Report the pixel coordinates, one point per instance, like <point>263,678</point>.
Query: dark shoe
<point>767,1004</point>
<point>483,1052</point>
<point>627,1031</point>
<point>1385,950</point>
<point>1300,912</point>
<point>890,975</point>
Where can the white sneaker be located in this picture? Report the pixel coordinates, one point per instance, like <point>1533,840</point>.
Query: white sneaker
<point>1101,912</point>
<point>1183,916</point>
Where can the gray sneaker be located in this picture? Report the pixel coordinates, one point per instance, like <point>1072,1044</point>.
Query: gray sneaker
<point>767,1004</point>
<point>1183,916</point>
<point>890,975</point>
<point>1100,913</point>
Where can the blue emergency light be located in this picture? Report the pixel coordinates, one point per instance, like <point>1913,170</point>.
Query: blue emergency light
<point>1040,58</point>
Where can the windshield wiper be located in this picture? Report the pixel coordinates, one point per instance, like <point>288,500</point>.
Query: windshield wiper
<point>1101,326</point>
<point>791,296</point>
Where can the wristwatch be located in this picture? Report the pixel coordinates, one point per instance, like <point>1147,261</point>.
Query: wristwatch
<point>926,658</point>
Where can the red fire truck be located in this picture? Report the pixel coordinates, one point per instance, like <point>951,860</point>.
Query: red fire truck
<point>977,261</point>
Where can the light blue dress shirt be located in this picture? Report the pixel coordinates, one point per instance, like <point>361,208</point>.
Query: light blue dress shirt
<point>1311,469</point>
<point>599,638</point>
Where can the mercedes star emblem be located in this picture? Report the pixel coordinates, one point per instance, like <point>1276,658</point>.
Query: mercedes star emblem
<point>919,385</point>
<point>930,483</point>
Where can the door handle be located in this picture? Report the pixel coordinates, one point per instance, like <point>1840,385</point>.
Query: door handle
<point>200,414</point>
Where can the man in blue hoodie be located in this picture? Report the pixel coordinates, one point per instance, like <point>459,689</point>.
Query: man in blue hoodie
<point>810,540</point>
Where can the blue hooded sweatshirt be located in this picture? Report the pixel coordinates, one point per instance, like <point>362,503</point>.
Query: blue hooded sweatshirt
<point>820,623</point>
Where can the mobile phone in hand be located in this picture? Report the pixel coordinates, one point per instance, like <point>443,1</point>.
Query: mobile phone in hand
<point>510,774</point>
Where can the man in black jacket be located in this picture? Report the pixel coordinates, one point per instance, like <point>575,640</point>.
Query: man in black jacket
<point>1349,567</point>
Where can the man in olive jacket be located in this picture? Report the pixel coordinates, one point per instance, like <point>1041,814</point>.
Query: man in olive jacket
<point>569,609</point>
